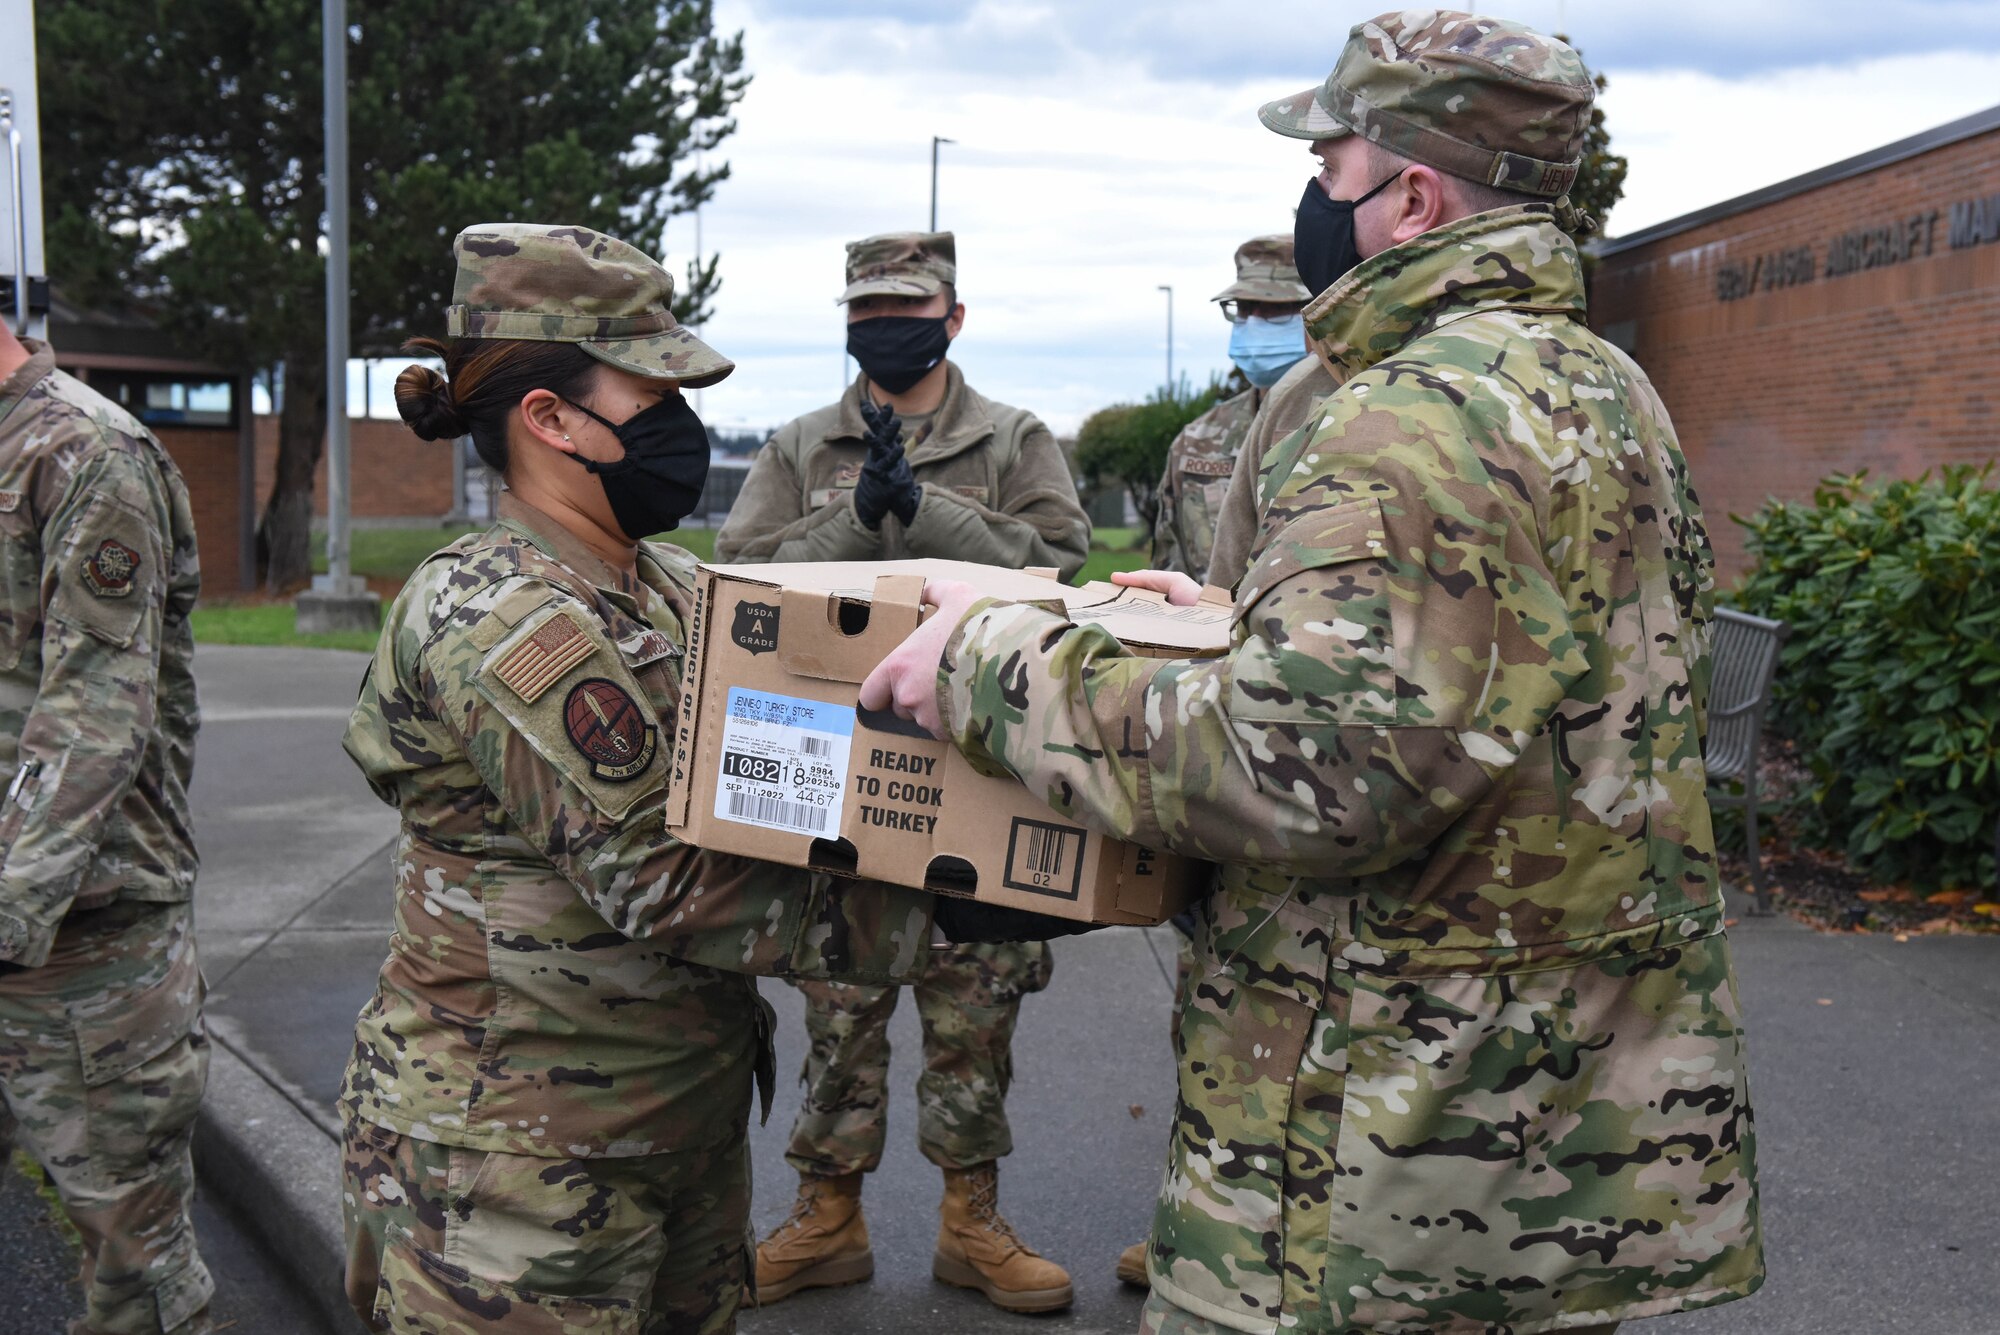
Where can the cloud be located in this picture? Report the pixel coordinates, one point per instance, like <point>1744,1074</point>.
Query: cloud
<point>1105,150</point>
<point>1695,139</point>
<point>1298,39</point>
<point>1074,195</point>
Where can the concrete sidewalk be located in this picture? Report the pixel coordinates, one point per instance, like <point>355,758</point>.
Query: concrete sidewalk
<point>287,830</point>
<point>1878,1114</point>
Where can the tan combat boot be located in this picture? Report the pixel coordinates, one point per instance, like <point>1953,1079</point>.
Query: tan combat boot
<point>1132,1266</point>
<point>977,1247</point>
<point>822,1243</point>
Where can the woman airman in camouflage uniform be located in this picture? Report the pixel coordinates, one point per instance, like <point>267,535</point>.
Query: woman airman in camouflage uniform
<point>546,1106</point>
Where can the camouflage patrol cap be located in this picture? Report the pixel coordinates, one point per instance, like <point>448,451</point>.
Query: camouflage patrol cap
<point>1265,271</point>
<point>1480,98</point>
<point>560,284</point>
<point>901,264</point>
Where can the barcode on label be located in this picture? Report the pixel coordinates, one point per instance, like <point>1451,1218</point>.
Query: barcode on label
<point>1045,851</point>
<point>1044,858</point>
<point>816,746</point>
<point>774,811</point>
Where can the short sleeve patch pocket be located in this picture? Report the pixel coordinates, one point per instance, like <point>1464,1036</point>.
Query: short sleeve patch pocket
<point>1318,646</point>
<point>538,659</point>
<point>607,727</point>
<point>109,568</point>
<point>564,690</point>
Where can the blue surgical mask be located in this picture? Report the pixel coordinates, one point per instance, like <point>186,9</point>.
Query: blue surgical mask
<point>1265,349</point>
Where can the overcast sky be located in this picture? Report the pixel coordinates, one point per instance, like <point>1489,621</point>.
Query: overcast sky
<point>1106,148</point>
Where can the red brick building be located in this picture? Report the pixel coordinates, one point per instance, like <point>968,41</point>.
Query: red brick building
<point>201,413</point>
<point>1845,319</point>
<point>392,477</point>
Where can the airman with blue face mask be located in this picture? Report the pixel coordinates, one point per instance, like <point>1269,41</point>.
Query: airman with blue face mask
<point>1266,339</point>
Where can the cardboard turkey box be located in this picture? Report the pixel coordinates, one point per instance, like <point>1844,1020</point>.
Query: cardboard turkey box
<point>773,758</point>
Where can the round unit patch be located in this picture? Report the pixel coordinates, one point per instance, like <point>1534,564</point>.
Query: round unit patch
<point>605,723</point>
<point>110,569</point>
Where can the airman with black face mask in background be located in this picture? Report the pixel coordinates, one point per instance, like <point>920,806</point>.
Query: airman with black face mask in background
<point>911,462</point>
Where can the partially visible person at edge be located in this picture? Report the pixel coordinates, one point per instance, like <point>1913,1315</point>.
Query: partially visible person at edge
<point>1463,1048</point>
<point>1286,407</point>
<point>1267,339</point>
<point>546,1109</point>
<point>911,463</point>
<point>103,1056</point>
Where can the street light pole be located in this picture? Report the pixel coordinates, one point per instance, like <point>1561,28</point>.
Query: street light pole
<point>334,22</point>
<point>336,600</point>
<point>1168,289</point>
<point>935,141</point>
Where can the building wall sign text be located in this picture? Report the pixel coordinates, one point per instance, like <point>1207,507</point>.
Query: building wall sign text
<point>1971,222</point>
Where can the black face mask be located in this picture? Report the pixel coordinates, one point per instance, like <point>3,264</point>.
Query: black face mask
<point>1323,236</point>
<point>896,351</point>
<point>658,482</point>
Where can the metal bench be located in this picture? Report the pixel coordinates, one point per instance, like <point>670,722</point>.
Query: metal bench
<point>1744,661</point>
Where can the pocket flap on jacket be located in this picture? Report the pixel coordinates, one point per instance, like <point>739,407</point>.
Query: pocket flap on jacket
<point>134,1028</point>
<point>1349,531</point>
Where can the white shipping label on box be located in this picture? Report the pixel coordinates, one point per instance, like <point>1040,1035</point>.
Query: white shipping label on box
<point>784,762</point>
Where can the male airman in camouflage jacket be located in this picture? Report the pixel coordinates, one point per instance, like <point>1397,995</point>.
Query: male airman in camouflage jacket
<point>102,1052</point>
<point>1285,409</point>
<point>1462,1052</point>
<point>995,487</point>
<point>1203,455</point>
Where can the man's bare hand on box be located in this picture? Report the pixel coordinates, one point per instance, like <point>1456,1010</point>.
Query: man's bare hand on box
<point>906,681</point>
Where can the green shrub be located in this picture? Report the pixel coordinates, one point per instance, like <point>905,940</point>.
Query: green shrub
<point>1126,444</point>
<point>1890,684</point>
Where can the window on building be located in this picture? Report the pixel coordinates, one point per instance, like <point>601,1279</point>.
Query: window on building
<point>166,399</point>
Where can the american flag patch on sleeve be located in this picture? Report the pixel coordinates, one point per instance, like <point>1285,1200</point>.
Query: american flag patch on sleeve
<point>539,662</point>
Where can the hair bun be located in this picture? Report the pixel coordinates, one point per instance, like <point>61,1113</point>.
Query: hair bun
<point>424,399</point>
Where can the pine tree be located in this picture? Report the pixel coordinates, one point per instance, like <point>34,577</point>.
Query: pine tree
<point>1601,182</point>
<point>184,158</point>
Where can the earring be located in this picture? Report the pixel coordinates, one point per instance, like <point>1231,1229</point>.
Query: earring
<point>565,440</point>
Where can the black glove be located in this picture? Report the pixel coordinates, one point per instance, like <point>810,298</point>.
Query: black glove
<point>885,429</point>
<point>886,483</point>
<point>966,921</point>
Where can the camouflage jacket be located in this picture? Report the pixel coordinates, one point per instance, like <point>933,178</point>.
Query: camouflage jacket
<point>1287,405</point>
<point>565,978</point>
<point>1462,1048</point>
<point>98,573</point>
<point>1199,463</point>
<point>996,486</point>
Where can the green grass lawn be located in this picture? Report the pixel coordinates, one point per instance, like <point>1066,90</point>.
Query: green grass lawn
<point>1099,565</point>
<point>390,554</point>
<point>387,553</point>
<point>267,623</point>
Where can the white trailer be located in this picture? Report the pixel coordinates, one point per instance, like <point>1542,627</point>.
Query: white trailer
<point>24,283</point>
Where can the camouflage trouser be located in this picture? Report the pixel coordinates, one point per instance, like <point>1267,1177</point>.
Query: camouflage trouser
<point>1161,1317</point>
<point>1183,970</point>
<point>443,1240</point>
<point>968,1001</point>
<point>102,1063</point>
